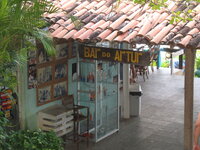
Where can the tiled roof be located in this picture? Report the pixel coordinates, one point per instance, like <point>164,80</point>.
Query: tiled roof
<point>108,20</point>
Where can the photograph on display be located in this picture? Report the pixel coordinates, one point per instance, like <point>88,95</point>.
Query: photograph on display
<point>60,89</point>
<point>44,94</point>
<point>60,71</point>
<point>44,74</point>
<point>61,50</point>
<point>32,78</point>
<point>43,56</point>
<point>32,62</point>
<point>32,54</point>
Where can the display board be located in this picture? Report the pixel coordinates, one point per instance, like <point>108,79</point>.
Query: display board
<point>52,74</point>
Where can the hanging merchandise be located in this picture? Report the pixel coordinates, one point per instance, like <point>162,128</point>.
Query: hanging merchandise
<point>7,100</point>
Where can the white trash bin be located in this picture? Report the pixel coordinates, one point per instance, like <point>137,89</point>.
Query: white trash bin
<point>135,93</point>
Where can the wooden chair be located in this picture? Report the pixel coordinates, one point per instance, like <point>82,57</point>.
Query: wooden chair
<point>78,117</point>
<point>142,70</point>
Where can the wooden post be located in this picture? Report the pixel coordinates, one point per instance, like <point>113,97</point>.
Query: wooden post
<point>188,106</point>
<point>21,95</point>
<point>171,63</point>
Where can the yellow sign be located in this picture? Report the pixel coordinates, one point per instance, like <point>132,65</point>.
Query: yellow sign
<point>117,55</point>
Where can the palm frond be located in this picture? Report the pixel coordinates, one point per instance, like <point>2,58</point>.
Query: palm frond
<point>20,21</point>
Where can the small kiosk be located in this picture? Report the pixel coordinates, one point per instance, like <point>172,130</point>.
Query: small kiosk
<point>94,80</point>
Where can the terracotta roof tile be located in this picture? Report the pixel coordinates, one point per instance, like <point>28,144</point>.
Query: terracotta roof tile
<point>54,27</point>
<point>81,12</point>
<point>121,37</point>
<point>171,37</point>
<point>93,36</point>
<point>101,3</point>
<point>105,25</point>
<point>155,31</point>
<point>119,21</point>
<point>130,25</point>
<point>131,35</point>
<point>77,34</point>
<point>89,18</point>
<point>85,35</point>
<point>114,17</point>
<point>82,5</point>
<point>101,22</point>
<point>87,14</point>
<point>69,9</point>
<point>194,42</point>
<point>101,9</point>
<point>70,34</point>
<point>61,34</point>
<point>111,36</point>
<point>172,6</point>
<point>63,2</point>
<point>108,10</point>
<point>104,34</point>
<point>68,4</point>
<point>109,2</point>
<point>135,8</point>
<point>57,31</point>
<point>98,18</point>
<point>127,8</point>
<point>187,39</point>
<point>162,17</point>
<point>122,25</point>
<point>135,14</point>
<point>146,27</point>
<point>120,6</point>
<point>91,5</point>
<point>197,9</point>
<point>162,34</point>
<point>124,21</point>
<point>87,26</point>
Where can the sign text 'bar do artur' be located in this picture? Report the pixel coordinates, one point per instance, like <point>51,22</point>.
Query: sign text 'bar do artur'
<point>112,54</point>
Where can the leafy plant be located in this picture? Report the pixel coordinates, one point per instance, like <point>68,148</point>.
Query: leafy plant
<point>198,63</point>
<point>20,23</point>
<point>197,73</point>
<point>26,139</point>
<point>165,64</point>
<point>34,140</point>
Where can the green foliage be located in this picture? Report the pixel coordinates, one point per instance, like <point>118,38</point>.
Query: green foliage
<point>3,133</point>
<point>165,64</point>
<point>20,22</point>
<point>197,61</point>
<point>184,15</point>
<point>77,23</point>
<point>197,73</point>
<point>26,139</point>
<point>34,140</point>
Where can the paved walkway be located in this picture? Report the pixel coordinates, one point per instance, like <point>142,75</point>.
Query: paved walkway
<point>160,126</point>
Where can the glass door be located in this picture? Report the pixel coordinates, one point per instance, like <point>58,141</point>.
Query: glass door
<point>98,89</point>
<point>107,119</point>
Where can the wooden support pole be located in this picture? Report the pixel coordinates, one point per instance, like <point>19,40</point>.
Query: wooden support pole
<point>188,106</point>
<point>171,63</point>
<point>21,96</point>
